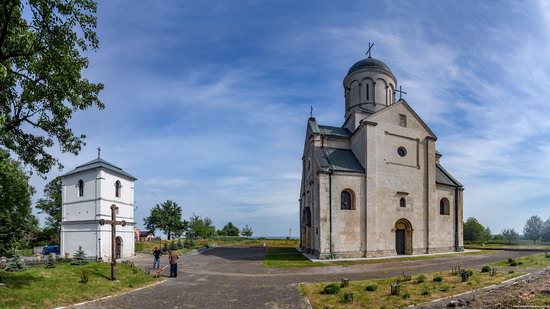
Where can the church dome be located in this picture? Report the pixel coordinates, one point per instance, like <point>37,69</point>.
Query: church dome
<point>370,63</point>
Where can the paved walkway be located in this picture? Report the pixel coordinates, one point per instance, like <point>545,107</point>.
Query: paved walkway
<point>235,278</point>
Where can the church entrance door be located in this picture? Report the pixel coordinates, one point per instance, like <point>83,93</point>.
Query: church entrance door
<point>400,241</point>
<point>118,250</point>
<point>403,237</point>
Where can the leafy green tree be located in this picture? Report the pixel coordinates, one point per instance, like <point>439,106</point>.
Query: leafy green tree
<point>510,235</point>
<point>545,234</point>
<point>230,230</point>
<point>246,231</point>
<point>533,228</point>
<point>200,227</point>
<point>16,219</point>
<point>42,43</point>
<point>50,204</point>
<point>473,230</point>
<point>167,218</point>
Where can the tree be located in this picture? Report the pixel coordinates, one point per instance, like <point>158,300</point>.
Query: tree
<point>510,235</point>
<point>486,235</point>
<point>545,234</point>
<point>16,219</point>
<point>200,227</point>
<point>533,228</point>
<point>473,230</point>
<point>79,257</point>
<point>50,204</point>
<point>246,231</point>
<point>230,230</point>
<point>42,43</point>
<point>167,218</point>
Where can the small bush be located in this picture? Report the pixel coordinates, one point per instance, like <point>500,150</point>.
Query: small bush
<point>425,291</point>
<point>514,263</point>
<point>180,244</point>
<point>420,279</point>
<point>84,276</point>
<point>406,295</point>
<point>79,257</point>
<point>189,243</point>
<point>510,260</point>
<point>520,263</point>
<point>50,261</point>
<point>438,278</point>
<point>173,246</point>
<point>17,264</point>
<point>348,298</point>
<point>511,271</point>
<point>331,289</point>
<point>469,272</point>
<point>444,288</point>
<point>371,287</point>
<point>485,269</point>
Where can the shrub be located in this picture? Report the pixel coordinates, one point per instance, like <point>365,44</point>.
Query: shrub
<point>511,271</point>
<point>165,247</point>
<point>79,257</point>
<point>425,291</point>
<point>444,288</point>
<point>485,269</point>
<point>173,246</point>
<point>406,295</point>
<point>50,261</point>
<point>189,243</point>
<point>510,260</point>
<point>514,263</point>
<point>348,298</point>
<point>84,276</point>
<point>180,244</point>
<point>438,278</point>
<point>420,279</point>
<point>17,264</point>
<point>520,263</point>
<point>330,289</point>
<point>469,272</point>
<point>371,287</point>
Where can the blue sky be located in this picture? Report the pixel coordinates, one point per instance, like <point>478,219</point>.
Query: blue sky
<point>207,102</point>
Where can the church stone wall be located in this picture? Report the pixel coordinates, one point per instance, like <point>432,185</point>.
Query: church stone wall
<point>442,233</point>
<point>77,208</point>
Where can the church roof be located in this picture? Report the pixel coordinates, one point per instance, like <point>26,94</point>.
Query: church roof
<point>97,164</point>
<point>334,131</point>
<point>339,160</point>
<point>369,63</point>
<point>445,178</point>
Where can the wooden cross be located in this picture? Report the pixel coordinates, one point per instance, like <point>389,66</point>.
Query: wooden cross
<point>113,222</point>
<point>370,47</point>
<point>400,92</point>
<point>98,152</point>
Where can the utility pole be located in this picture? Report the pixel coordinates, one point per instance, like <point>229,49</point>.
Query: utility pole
<point>113,222</point>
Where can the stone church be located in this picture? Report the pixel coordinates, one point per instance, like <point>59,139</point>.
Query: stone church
<point>375,186</point>
<point>88,192</point>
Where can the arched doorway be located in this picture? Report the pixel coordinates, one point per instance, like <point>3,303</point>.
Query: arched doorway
<point>118,250</point>
<point>403,236</point>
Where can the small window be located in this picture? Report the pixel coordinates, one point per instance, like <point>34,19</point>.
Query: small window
<point>402,202</point>
<point>367,91</point>
<point>80,187</point>
<point>444,207</point>
<point>402,120</point>
<point>117,188</point>
<point>401,151</point>
<point>347,200</point>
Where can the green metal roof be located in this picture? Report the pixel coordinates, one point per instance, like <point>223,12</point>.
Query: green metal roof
<point>445,178</point>
<point>334,131</point>
<point>98,164</point>
<point>339,160</point>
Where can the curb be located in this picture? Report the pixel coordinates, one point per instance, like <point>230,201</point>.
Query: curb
<point>109,296</point>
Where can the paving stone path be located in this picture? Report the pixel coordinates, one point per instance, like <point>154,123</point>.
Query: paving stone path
<point>236,278</point>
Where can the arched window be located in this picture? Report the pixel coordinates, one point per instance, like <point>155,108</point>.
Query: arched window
<point>80,187</point>
<point>444,207</point>
<point>117,188</point>
<point>347,200</point>
<point>402,202</point>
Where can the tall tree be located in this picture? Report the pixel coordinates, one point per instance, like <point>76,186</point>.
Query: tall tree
<point>473,230</point>
<point>167,218</point>
<point>50,204</point>
<point>16,219</point>
<point>230,230</point>
<point>545,234</point>
<point>200,227</point>
<point>246,231</point>
<point>42,43</point>
<point>510,235</point>
<point>533,228</point>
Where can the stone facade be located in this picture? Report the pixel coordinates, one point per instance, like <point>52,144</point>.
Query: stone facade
<point>374,187</point>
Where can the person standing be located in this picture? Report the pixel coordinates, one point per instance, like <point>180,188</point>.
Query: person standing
<point>156,253</point>
<point>173,257</point>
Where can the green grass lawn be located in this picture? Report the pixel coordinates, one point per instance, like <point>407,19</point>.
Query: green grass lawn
<point>283,257</point>
<point>531,261</point>
<point>412,292</point>
<point>38,287</point>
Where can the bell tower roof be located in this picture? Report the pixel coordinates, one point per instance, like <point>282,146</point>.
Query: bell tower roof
<point>370,63</point>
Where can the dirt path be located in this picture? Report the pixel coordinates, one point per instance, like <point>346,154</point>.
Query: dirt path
<point>236,278</point>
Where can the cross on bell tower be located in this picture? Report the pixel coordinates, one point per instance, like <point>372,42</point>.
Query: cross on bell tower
<point>368,50</point>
